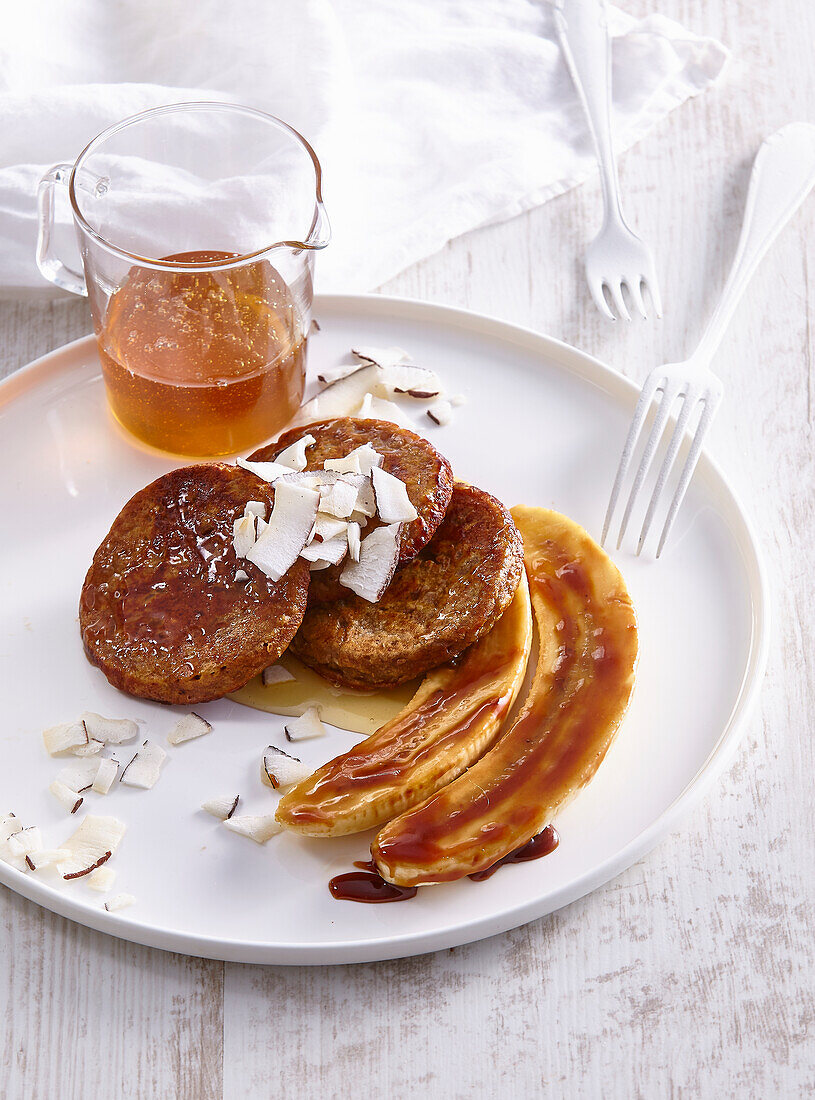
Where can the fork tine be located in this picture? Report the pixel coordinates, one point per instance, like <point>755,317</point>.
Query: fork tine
<point>670,392</point>
<point>649,388</point>
<point>688,405</point>
<point>649,281</point>
<point>634,289</point>
<point>616,292</point>
<point>711,405</point>
<point>596,288</point>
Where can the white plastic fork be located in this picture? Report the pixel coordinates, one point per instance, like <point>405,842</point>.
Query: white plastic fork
<point>617,258</point>
<point>782,177</point>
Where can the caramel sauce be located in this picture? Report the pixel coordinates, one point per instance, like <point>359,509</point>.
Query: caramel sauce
<point>581,688</point>
<point>454,715</point>
<point>203,364</point>
<point>539,846</point>
<point>164,601</point>
<point>367,885</point>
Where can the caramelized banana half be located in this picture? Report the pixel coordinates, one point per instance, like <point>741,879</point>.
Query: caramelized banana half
<point>581,689</point>
<point>453,718</point>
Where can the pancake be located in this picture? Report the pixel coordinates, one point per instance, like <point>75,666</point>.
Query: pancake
<point>436,606</point>
<point>161,613</point>
<point>427,474</point>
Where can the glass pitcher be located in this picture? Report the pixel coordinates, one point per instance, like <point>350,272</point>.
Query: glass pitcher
<point>197,226</point>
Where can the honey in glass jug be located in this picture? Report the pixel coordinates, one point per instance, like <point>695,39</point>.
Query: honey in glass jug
<point>197,225</point>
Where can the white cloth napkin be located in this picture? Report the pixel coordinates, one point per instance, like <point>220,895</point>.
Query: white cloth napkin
<point>430,118</point>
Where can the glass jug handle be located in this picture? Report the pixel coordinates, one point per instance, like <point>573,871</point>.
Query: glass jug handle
<point>50,265</point>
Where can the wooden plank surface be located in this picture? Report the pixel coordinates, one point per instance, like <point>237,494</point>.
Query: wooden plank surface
<point>691,974</point>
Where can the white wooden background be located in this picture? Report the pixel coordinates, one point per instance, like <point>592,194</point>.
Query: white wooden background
<point>689,976</point>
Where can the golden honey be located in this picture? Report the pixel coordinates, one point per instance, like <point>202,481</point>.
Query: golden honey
<point>358,712</point>
<point>205,363</point>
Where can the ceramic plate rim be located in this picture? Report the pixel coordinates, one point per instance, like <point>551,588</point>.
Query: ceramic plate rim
<point>575,362</point>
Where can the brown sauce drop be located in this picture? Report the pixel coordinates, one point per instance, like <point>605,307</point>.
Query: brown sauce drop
<point>539,846</point>
<point>368,886</point>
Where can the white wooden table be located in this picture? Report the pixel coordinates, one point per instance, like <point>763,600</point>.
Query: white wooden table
<point>691,975</point>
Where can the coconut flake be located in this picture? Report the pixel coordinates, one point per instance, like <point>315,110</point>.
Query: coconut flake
<point>457,399</point>
<point>339,499</point>
<point>328,527</point>
<point>243,535</point>
<point>378,557</point>
<point>93,843</point>
<point>359,461</point>
<point>91,749</point>
<point>64,738</point>
<point>266,471</point>
<point>255,508</point>
<point>276,674</point>
<point>101,879</point>
<point>331,552</point>
<point>441,412</point>
<point>258,827</point>
<point>360,518</point>
<point>309,479</point>
<point>67,798</point>
<point>145,767</point>
<point>329,375</point>
<point>26,841</point>
<point>294,456</point>
<point>223,808</point>
<point>106,774</point>
<point>110,731</point>
<point>353,540</point>
<point>375,408</point>
<point>241,576</point>
<point>392,500</point>
<point>188,727</point>
<point>261,526</point>
<point>10,825</point>
<point>416,382</point>
<point>119,901</point>
<point>79,774</point>
<point>382,357</point>
<point>306,727</point>
<point>278,769</point>
<point>366,501</point>
<point>293,516</point>
<point>7,856</point>
<point>46,857</point>
<point>339,398</point>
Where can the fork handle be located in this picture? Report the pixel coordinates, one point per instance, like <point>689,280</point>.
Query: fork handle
<point>582,27</point>
<point>782,177</point>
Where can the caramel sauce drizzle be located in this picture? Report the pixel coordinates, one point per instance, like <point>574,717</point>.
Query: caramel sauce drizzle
<point>455,715</point>
<point>367,885</point>
<point>581,689</point>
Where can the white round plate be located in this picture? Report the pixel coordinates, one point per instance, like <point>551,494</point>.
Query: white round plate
<point>543,425</point>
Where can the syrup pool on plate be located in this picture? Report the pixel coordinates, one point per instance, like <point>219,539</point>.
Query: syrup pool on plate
<point>356,711</point>
<point>205,363</point>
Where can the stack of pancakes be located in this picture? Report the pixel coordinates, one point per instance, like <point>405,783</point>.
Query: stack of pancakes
<point>164,617</point>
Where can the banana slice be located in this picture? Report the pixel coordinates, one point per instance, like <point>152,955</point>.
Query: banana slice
<point>581,689</point>
<point>453,717</point>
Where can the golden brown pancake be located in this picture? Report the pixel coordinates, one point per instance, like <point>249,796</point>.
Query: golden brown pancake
<point>161,613</point>
<point>436,606</point>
